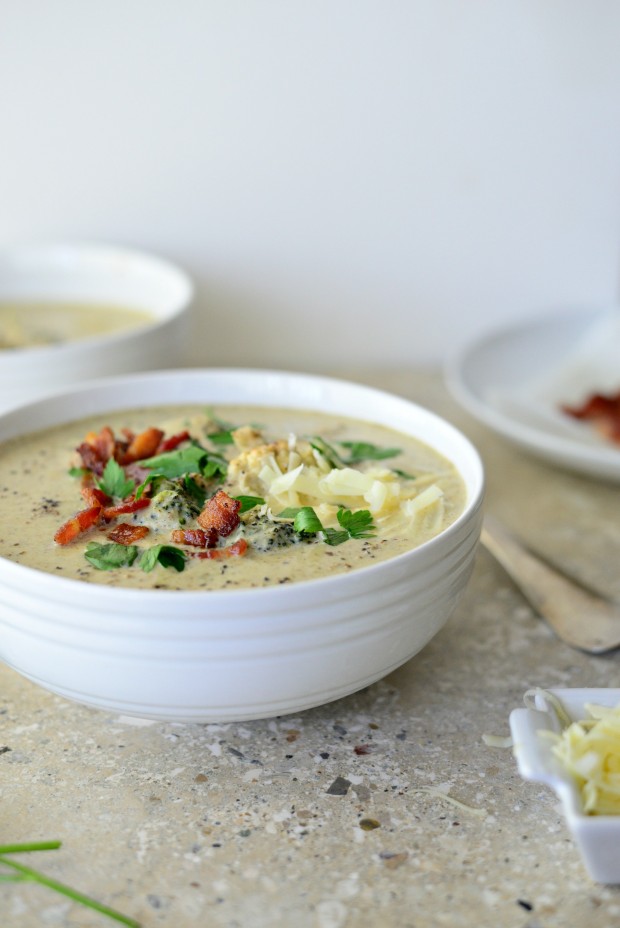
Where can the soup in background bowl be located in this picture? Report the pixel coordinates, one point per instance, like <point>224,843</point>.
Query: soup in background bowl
<point>290,540</point>
<point>70,312</point>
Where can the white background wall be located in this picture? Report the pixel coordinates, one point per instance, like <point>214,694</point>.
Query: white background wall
<point>358,181</point>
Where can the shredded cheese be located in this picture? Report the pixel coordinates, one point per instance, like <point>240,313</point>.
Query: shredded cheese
<point>433,791</point>
<point>590,750</point>
<point>497,741</point>
<point>292,473</point>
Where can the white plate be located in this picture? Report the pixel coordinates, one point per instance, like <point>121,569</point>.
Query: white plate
<point>596,836</point>
<point>515,380</point>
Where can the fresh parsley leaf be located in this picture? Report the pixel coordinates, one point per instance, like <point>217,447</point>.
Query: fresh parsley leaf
<point>404,474</point>
<point>365,451</point>
<point>166,555</point>
<point>78,471</point>
<point>142,487</point>
<point>193,459</point>
<point>333,537</point>
<point>352,524</point>
<point>110,556</point>
<point>358,451</point>
<point>249,502</point>
<point>215,466</point>
<point>358,524</point>
<point>114,482</point>
<point>221,424</point>
<point>328,451</point>
<point>307,522</point>
<point>194,489</point>
<point>223,437</point>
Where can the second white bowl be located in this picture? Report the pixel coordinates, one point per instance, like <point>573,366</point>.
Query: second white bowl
<point>92,274</point>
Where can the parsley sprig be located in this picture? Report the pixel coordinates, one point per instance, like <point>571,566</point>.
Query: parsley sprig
<point>365,451</point>
<point>249,502</point>
<point>358,451</point>
<point>110,556</point>
<point>193,459</point>
<point>114,482</point>
<point>21,873</point>
<point>357,524</point>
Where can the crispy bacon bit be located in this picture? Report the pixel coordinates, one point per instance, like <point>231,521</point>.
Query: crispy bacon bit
<point>95,497</point>
<point>103,442</point>
<point>197,537</point>
<point>131,504</point>
<point>603,411</point>
<point>237,549</point>
<point>137,473</point>
<point>169,444</point>
<point>98,447</point>
<point>220,512</point>
<point>91,459</point>
<point>78,524</point>
<point>126,534</point>
<point>143,445</point>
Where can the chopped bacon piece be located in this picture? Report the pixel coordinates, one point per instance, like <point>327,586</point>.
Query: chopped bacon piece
<point>103,442</point>
<point>144,445</point>
<point>91,459</point>
<point>602,410</point>
<point>137,473</point>
<point>169,444</point>
<point>95,497</point>
<point>126,534</point>
<point>220,512</point>
<point>197,537</point>
<point>237,549</point>
<point>128,505</point>
<point>78,524</point>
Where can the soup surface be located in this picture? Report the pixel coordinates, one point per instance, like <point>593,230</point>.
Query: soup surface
<point>46,322</point>
<point>189,498</point>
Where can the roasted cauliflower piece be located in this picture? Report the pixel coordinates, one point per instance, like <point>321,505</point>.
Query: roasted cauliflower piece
<point>255,468</point>
<point>247,437</point>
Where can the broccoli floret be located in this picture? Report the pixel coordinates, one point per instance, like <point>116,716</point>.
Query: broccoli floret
<point>173,505</point>
<point>263,534</point>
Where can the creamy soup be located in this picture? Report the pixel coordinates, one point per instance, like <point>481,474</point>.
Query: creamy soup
<point>46,322</point>
<point>188,498</point>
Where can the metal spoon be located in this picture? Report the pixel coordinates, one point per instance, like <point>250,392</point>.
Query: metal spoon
<point>580,618</point>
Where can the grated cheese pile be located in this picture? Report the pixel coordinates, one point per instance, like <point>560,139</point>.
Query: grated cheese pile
<point>590,750</point>
<point>293,473</point>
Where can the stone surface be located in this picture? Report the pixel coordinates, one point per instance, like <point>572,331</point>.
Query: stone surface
<point>335,818</point>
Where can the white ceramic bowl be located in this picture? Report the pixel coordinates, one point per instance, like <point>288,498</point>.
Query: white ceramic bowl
<point>239,654</point>
<point>91,273</point>
<point>596,836</point>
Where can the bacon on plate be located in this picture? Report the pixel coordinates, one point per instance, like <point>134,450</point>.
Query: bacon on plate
<point>602,410</point>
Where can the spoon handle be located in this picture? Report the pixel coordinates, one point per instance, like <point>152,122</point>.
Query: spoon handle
<point>581,619</point>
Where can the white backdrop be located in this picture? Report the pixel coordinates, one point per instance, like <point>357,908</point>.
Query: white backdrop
<point>349,181</point>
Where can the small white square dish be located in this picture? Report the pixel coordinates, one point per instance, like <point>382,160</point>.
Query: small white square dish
<point>596,836</point>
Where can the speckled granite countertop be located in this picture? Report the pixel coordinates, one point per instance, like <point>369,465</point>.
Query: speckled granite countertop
<point>324,820</point>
